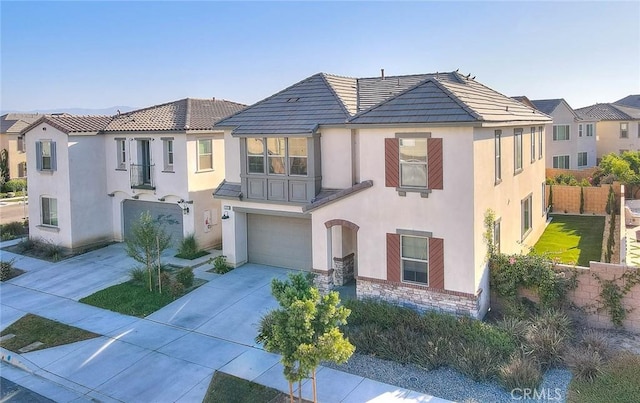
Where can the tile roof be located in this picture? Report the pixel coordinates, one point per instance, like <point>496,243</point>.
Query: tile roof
<point>298,109</point>
<point>228,190</point>
<point>15,122</point>
<point>325,99</point>
<point>546,105</point>
<point>608,112</point>
<point>184,114</point>
<point>329,196</point>
<point>632,101</point>
<point>523,99</point>
<point>73,123</point>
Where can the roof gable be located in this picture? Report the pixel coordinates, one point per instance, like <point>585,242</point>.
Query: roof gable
<point>298,109</point>
<point>16,122</point>
<point>546,105</point>
<point>72,123</point>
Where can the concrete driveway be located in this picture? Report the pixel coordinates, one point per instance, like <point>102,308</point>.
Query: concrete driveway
<point>169,356</point>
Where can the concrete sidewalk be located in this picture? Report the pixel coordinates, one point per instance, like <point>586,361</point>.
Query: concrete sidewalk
<point>170,355</point>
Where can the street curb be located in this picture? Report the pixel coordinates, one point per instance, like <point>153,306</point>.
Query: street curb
<point>16,360</point>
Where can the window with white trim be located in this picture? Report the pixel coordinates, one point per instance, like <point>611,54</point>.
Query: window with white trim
<point>22,170</point>
<point>543,198</point>
<point>561,161</point>
<point>582,159</point>
<point>413,162</point>
<point>297,151</point>
<point>415,259</point>
<point>527,216</point>
<point>276,155</point>
<point>624,130</point>
<point>255,156</point>
<point>21,144</point>
<point>498,154</point>
<point>560,132</point>
<point>46,155</point>
<point>580,130</point>
<point>496,236</point>
<point>589,129</point>
<point>517,150</point>
<point>540,142</point>
<point>533,144</point>
<point>205,155</point>
<point>167,148</point>
<point>49,211</point>
<point>121,153</point>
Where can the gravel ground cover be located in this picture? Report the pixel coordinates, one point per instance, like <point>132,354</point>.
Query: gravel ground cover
<point>449,384</point>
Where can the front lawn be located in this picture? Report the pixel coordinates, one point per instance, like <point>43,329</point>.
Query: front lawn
<point>572,239</point>
<point>31,328</point>
<point>620,382</point>
<point>129,298</point>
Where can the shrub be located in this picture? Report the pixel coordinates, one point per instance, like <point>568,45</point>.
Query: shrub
<point>165,280</point>
<point>176,289</point>
<point>15,185</point>
<point>185,277</point>
<point>220,265</point>
<point>11,230</point>
<point>597,341</point>
<point>52,251</point>
<point>433,353</point>
<point>522,372</point>
<point>138,275</point>
<point>477,360</point>
<point>188,247</point>
<point>514,326</point>
<point>546,344</point>
<point>6,268</point>
<point>585,363</point>
<point>581,199</point>
<point>28,244</point>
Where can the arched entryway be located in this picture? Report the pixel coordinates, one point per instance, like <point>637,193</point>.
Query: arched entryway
<point>342,250</point>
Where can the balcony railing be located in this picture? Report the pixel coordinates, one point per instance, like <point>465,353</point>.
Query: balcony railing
<point>142,176</point>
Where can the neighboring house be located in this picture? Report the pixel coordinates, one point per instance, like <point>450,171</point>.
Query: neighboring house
<point>632,101</point>
<point>617,127</point>
<point>387,180</point>
<point>570,141</point>
<point>11,124</point>
<point>90,177</point>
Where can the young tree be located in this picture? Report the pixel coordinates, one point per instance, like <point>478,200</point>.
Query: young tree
<point>304,330</point>
<point>4,166</point>
<point>625,168</point>
<point>148,239</point>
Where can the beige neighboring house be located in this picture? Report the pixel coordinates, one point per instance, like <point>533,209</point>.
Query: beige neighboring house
<point>385,180</point>
<point>570,140</point>
<point>90,177</point>
<point>11,139</point>
<point>617,127</point>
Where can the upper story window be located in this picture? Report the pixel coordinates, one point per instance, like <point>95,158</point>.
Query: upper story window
<point>560,132</point>
<point>284,156</point>
<point>49,211</point>
<point>582,159</point>
<point>624,130</point>
<point>497,140</point>
<point>533,144</point>
<point>205,154</point>
<point>167,148</point>
<point>540,142</point>
<point>415,259</point>
<point>255,156</point>
<point>580,130</point>
<point>413,162</point>
<point>527,216</point>
<point>20,144</point>
<point>121,153</point>
<point>46,155</point>
<point>22,170</point>
<point>517,150</point>
<point>589,129</point>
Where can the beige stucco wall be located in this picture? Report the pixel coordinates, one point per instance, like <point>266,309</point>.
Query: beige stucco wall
<point>53,184</point>
<point>232,157</point>
<point>609,140</point>
<point>336,158</point>
<point>9,142</point>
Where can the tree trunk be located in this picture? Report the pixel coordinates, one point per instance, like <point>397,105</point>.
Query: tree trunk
<point>290,391</point>
<point>313,379</point>
<point>299,391</point>
<point>159,278</point>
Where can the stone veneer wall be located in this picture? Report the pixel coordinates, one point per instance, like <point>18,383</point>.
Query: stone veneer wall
<point>343,269</point>
<point>323,280</point>
<point>419,297</point>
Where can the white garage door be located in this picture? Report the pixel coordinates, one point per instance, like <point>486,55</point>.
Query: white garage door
<point>279,241</point>
<point>168,214</point>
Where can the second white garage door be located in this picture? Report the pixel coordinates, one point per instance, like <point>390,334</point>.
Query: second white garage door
<point>279,241</point>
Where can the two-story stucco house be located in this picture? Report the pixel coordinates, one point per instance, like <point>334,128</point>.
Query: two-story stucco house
<point>570,140</point>
<point>386,180</point>
<point>617,127</point>
<point>11,139</point>
<point>90,177</point>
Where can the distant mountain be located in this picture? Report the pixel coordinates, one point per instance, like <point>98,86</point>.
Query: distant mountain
<point>79,111</point>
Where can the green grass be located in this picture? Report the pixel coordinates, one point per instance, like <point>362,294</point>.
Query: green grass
<point>619,383</point>
<point>130,299</point>
<point>195,255</point>
<point>32,328</point>
<point>226,388</point>
<point>572,239</point>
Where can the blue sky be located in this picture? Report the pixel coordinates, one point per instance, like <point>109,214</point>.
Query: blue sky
<point>101,54</point>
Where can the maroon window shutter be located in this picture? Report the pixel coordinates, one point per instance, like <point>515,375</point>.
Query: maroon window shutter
<point>434,158</point>
<point>392,162</point>
<point>436,263</point>
<point>393,257</point>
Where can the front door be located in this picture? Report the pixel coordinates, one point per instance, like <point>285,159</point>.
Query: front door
<point>144,159</point>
